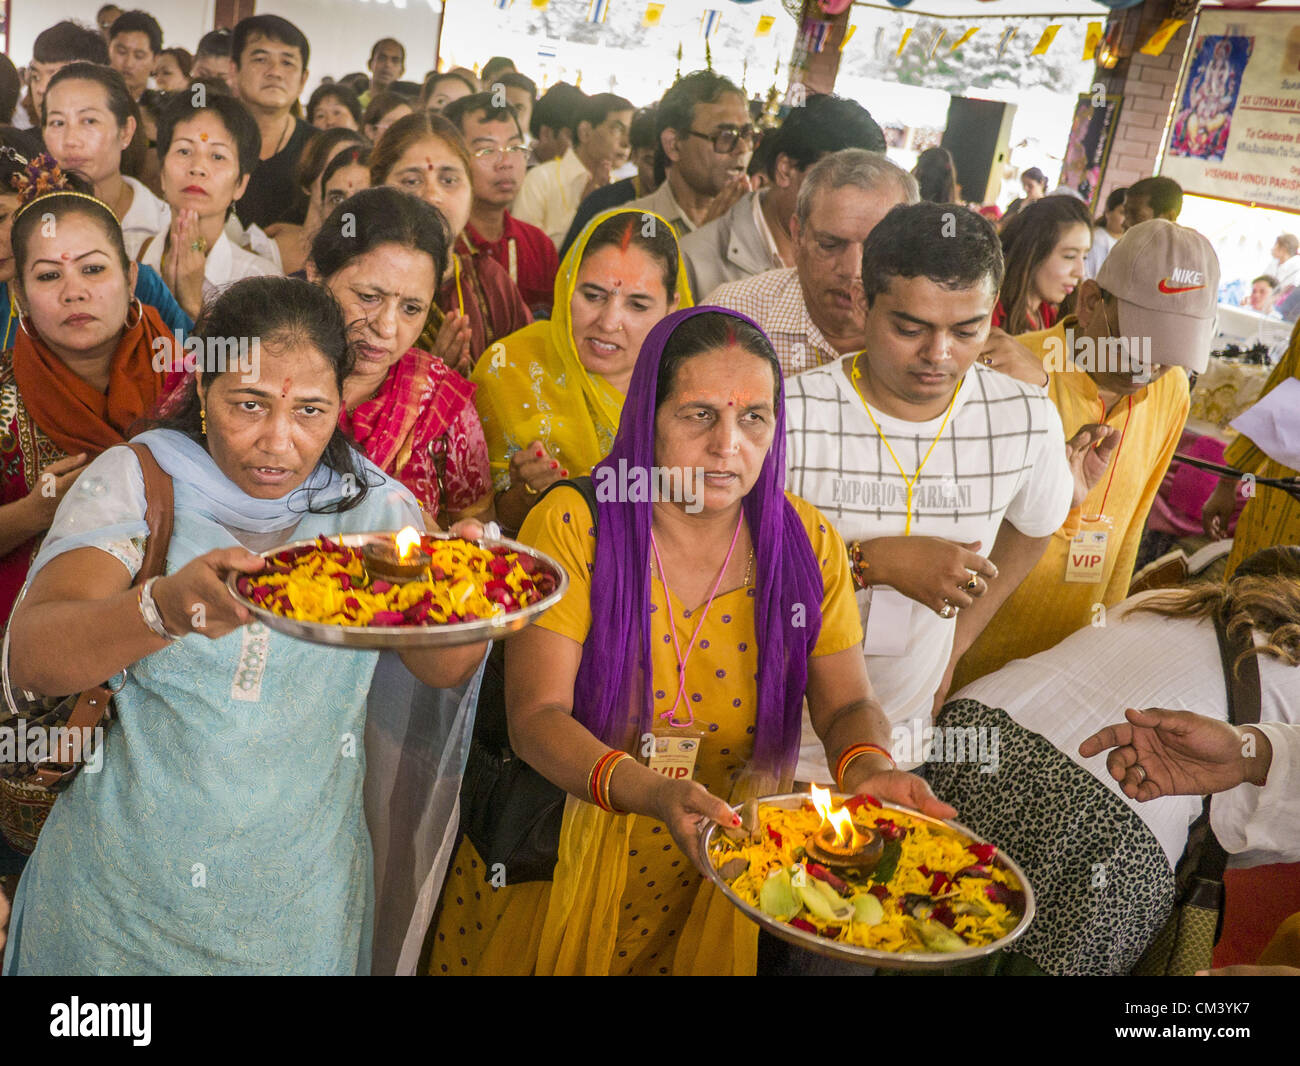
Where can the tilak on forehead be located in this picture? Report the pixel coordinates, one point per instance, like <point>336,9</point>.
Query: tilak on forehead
<point>284,389</point>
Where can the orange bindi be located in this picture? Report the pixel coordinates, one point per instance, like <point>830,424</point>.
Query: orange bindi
<point>203,136</point>
<point>65,256</point>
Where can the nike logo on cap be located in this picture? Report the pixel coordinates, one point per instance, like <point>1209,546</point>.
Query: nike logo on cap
<point>1181,281</point>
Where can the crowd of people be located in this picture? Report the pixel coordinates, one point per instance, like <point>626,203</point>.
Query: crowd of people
<point>895,427</point>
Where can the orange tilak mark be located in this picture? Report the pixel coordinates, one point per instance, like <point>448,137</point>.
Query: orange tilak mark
<point>627,234</point>
<point>284,389</point>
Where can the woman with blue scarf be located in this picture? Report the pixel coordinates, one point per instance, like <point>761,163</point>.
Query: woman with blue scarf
<point>223,832</point>
<point>703,614</point>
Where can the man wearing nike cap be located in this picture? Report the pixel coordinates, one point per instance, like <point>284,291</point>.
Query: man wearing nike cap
<point>1121,359</point>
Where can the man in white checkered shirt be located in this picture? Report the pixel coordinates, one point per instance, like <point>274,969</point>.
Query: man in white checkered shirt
<point>813,311</point>
<point>985,452</point>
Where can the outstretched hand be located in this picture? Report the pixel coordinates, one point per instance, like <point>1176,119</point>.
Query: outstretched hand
<point>898,786</point>
<point>1178,753</point>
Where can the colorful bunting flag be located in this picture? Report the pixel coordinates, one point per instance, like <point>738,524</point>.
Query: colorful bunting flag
<point>710,20</point>
<point>653,13</point>
<point>539,4</point>
<point>1045,41</point>
<point>938,40</point>
<point>1007,36</point>
<point>1161,38</point>
<point>1092,41</point>
<point>903,43</point>
<point>817,33</point>
<point>848,35</point>
<point>502,5</point>
<point>765,23</point>
<point>964,38</point>
<point>597,11</point>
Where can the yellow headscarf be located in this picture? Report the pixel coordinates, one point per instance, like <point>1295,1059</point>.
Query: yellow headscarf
<point>532,385</point>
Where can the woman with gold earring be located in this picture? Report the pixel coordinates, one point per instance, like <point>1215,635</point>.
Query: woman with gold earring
<point>87,362</point>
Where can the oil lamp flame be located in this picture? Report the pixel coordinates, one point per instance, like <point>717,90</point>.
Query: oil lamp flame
<point>837,820</point>
<point>407,541</point>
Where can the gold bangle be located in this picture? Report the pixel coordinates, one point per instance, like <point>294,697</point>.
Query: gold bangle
<point>859,565</point>
<point>528,489</point>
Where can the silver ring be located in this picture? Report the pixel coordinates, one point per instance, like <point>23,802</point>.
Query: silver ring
<point>1138,768</point>
<point>948,611</point>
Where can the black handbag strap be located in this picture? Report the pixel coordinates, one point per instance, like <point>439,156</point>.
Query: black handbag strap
<point>1244,700</point>
<point>582,484</point>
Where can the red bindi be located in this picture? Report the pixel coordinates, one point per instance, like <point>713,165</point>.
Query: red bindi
<point>65,256</point>
<point>284,389</point>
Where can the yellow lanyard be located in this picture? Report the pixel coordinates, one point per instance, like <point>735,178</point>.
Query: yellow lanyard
<point>910,482</point>
<point>460,296</point>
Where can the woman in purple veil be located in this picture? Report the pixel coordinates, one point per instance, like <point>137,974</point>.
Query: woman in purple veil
<point>739,599</point>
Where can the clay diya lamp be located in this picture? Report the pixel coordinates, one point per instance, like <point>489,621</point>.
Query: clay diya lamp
<point>397,561</point>
<point>839,843</point>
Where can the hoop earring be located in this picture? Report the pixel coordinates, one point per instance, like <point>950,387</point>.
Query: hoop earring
<point>22,325</point>
<point>138,307</point>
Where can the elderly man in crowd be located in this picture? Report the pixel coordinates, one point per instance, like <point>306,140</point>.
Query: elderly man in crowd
<point>754,236</point>
<point>814,312</point>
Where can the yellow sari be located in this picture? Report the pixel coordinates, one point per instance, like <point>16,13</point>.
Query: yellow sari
<point>532,385</point>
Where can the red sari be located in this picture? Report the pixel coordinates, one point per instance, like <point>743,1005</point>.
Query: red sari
<point>48,413</point>
<point>421,427</point>
<point>482,290</point>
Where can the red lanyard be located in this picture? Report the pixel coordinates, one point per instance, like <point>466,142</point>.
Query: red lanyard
<point>671,713</point>
<point>1114,459</point>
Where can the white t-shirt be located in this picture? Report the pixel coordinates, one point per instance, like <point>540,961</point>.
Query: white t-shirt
<point>1086,682</point>
<point>1001,456</point>
<point>146,216</point>
<point>1288,273</point>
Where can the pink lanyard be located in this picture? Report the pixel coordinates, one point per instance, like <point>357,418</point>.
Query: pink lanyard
<point>671,713</point>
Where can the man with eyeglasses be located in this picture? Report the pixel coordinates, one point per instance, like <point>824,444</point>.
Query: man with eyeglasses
<point>705,141</point>
<point>551,192</point>
<point>754,236</point>
<point>499,159</point>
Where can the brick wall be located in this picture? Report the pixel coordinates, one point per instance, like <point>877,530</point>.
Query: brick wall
<point>1147,84</point>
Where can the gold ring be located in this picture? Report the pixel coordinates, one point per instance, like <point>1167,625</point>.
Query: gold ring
<point>529,489</point>
<point>199,244</point>
<point>948,610</point>
<point>972,584</point>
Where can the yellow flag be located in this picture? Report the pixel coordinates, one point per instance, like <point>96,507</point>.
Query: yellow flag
<point>848,35</point>
<point>1161,38</point>
<point>903,43</point>
<point>1045,41</point>
<point>653,13</point>
<point>539,4</point>
<point>964,38</point>
<point>765,23</point>
<point>1093,40</point>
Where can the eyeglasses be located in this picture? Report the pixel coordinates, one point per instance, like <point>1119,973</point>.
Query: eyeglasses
<point>508,150</point>
<point>724,141</point>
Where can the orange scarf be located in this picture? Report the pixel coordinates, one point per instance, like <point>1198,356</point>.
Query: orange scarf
<point>76,416</point>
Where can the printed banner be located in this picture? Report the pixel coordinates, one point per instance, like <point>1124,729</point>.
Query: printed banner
<point>1091,134</point>
<point>1235,133</point>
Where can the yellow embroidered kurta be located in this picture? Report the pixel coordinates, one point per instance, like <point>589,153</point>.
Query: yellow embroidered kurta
<point>625,899</point>
<point>1046,609</point>
<point>1271,517</point>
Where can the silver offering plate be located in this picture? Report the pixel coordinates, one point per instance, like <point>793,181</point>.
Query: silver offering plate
<point>888,960</point>
<point>413,636</point>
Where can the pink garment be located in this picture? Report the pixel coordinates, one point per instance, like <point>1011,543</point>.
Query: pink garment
<point>1182,495</point>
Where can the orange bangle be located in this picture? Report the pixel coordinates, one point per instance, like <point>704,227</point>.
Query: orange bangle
<point>598,780</point>
<point>854,751</point>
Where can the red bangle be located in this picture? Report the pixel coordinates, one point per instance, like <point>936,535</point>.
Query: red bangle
<point>852,752</point>
<point>599,778</point>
